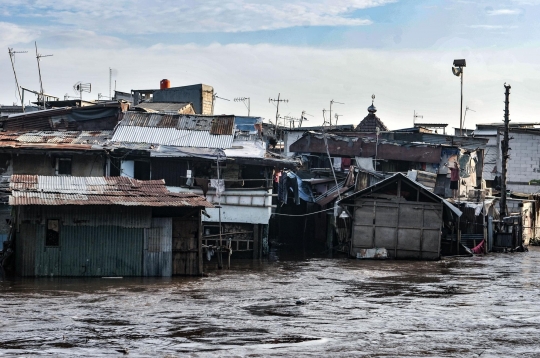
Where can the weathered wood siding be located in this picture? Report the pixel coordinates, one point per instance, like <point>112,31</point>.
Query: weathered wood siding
<point>408,230</point>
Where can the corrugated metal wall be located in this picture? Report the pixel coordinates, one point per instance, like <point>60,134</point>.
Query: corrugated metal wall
<point>100,250</point>
<point>127,216</point>
<point>158,248</point>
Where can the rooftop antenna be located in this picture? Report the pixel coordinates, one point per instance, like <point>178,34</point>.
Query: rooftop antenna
<point>277,101</point>
<point>330,116</point>
<point>12,58</point>
<point>303,118</point>
<point>82,87</point>
<point>416,115</point>
<point>246,101</point>
<point>38,58</point>
<point>336,116</point>
<point>465,115</point>
<point>214,96</point>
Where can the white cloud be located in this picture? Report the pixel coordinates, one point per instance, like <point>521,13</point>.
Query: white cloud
<point>167,16</point>
<point>504,12</point>
<point>491,27</point>
<point>13,34</point>
<point>403,81</point>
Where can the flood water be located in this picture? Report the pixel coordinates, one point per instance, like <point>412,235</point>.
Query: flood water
<point>457,307</point>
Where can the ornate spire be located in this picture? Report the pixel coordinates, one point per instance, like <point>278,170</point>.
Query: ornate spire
<point>372,109</point>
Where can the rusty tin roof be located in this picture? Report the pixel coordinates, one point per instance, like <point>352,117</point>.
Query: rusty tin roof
<point>66,190</point>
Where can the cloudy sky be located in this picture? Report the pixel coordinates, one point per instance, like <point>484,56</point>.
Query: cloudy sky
<point>310,51</point>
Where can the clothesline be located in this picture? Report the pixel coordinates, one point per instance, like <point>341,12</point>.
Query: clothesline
<point>316,212</point>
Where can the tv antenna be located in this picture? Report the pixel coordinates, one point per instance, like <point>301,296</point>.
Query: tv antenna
<point>277,101</point>
<point>12,58</point>
<point>303,118</point>
<point>416,115</point>
<point>465,115</point>
<point>38,58</point>
<point>336,116</point>
<point>246,101</point>
<point>330,116</point>
<point>214,96</point>
<point>82,87</point>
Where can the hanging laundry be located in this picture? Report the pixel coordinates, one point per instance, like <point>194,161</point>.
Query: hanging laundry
<point>282,189</point>
<point>292,184</point>
<point>203,183</point>
<point>219,185</point>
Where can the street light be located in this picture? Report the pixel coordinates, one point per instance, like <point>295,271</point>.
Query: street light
<point>457,70</point>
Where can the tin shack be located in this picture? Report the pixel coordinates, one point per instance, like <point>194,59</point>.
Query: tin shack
<point>104,226</point>
<point>401,216</point>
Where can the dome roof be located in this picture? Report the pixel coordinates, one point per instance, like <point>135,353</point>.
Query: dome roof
<point>372,109</point>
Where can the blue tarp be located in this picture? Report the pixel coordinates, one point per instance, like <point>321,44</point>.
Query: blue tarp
<point>247,123</point>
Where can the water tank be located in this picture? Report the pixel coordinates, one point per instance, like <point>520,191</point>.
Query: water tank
<point>164,84</point>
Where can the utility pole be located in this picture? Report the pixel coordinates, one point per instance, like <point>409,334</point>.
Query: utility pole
<point>277,101</point>
<point>504,150</point>
<point>110,80</point>
<point>11,57</point>
<point>38,58</point>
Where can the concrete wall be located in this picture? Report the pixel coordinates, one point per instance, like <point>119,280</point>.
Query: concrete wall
<point>42,164</point>
<point>524,162</point>
<point>201,96</point>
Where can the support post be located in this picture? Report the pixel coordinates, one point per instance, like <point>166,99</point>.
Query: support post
<point>256,242</point>
<point>504,149</point>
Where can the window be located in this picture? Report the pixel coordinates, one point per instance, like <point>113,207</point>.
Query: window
<point>63,166</point>
<point>52,238</point>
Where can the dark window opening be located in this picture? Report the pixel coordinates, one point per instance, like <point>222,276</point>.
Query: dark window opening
<point>114,167</point>
<point>53,233</point>
<point>252,174</point>
<point>63,166</point>
<point>173,172</point>
<point>142,170</point>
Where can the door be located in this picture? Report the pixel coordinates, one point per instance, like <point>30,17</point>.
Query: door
<point>185,247</point>
<point>158,248</point>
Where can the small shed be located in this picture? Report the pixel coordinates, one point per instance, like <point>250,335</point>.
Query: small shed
<point>104,226</point>
<point>401,216</point>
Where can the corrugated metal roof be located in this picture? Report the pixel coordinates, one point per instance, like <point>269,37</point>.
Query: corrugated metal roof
<point>172,137</point>
<point>60,190</point>
<point>163,106</point>
<point>222,124</point>
<point>73,137</point>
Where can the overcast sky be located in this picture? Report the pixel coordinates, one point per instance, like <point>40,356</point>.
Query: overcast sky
<point>310,51</point>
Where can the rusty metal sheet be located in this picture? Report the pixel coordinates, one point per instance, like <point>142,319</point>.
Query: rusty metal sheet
<point>224,125</point>
<point>365,147</point>
<point>59,190</point>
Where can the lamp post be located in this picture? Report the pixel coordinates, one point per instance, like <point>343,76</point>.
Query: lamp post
<point>457,70</point>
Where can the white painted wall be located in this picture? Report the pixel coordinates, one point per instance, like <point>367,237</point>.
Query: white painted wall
<point>524,161</point>
<point>127,168</point>
<point>288,139</point>
<point>237,206</point>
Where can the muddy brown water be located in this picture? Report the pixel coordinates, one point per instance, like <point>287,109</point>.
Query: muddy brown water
<point>457,307</point>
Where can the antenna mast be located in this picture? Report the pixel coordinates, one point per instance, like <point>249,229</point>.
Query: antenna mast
<point>330,115</point>
<point>416,115</point>
<point>11,57</point>
<point>278,100</point>
<point>38,57</point>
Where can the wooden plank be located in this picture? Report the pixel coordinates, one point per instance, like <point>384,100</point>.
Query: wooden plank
<point>256,243</point>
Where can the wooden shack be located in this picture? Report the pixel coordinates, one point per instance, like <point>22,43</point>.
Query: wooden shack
<point>104,226</point>
<point>401,216</point>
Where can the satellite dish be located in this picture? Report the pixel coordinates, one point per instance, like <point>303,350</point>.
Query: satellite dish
<point>457,71</point>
